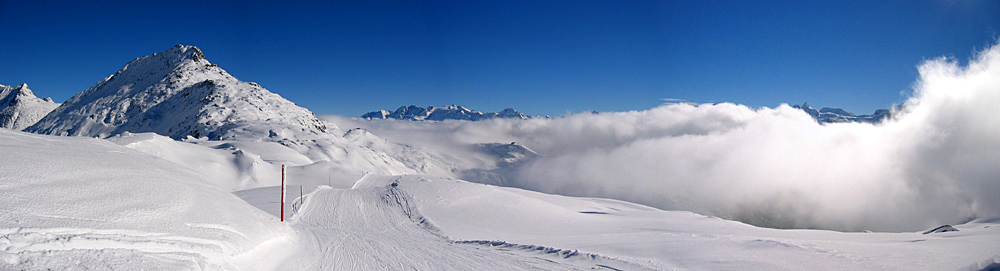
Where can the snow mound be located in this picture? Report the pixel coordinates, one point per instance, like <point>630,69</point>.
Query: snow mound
<point>20,108</point>
<point>942,228</point>
<point>116,208</point>
<point>226,166</point>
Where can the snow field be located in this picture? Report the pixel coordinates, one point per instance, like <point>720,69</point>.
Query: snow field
<point>648,237</point>
<point>91,203</point>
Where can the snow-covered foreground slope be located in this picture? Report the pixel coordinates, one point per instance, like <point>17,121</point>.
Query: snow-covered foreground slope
<point>642,236</point>
<point>85,203</point>
<point>72,202</point>
<point>377,228</point>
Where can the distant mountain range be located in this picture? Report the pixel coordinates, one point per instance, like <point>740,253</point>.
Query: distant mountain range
<point>454,112</point>
<point>451,112</point>
<point>837,115</point>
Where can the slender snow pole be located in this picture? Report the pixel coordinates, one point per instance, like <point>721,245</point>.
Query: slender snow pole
<point>282,192</point>
<point>300,196</point>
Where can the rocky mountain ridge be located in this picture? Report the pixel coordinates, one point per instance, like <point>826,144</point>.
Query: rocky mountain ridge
<point>837,115</point>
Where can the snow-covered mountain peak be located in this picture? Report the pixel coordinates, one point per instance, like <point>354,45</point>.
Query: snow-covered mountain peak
<point>176,55</point>
<point>510,113</point>
<point>20,108</point>
<point>21,89</point>
<point>178,93</point>
<point>157,64</point>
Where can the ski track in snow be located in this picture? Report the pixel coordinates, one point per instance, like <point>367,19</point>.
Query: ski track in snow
<point>22,247</point>
<point>378,228</point>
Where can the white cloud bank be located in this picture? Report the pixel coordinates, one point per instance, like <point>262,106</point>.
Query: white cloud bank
<point>938,162</point>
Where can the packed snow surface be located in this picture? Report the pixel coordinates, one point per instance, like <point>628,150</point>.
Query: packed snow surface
<point>637,236</point>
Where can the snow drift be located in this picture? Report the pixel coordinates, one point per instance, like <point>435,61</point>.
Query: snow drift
<point>91,204</point>
<point>933,163</point>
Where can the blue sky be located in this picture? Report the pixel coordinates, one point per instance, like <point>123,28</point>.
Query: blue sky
<point>540,57</point>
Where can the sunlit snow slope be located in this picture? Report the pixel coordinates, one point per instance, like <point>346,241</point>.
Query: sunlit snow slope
<point>378,229</point>
<point>85,203</point>
<point>637,236</point>
<point>73,202</point>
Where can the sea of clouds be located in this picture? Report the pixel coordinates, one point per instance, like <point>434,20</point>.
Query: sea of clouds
<point>936,162</point>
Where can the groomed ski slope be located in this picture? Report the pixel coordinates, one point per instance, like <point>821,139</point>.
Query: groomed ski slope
<point>376,229</point>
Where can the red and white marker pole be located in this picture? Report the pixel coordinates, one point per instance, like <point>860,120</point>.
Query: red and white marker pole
<point>282,193</point>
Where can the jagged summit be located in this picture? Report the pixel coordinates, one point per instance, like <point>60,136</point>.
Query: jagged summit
<point>20,108</point>
<point>177,54</point>
<point>837,115</point>
<point>451,112</point>
<point>177,93</point>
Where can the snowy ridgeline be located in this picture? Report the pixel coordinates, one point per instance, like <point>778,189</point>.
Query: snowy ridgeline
<point>837,115</point>
<point>185,168</point>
